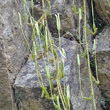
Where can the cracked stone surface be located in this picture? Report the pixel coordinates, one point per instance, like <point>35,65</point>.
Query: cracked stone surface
<point>15,46</point>
<point>13,49</point>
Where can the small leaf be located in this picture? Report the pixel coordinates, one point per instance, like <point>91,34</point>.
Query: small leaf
<point>37,28</point>
<point>42,95</point>
<point>87,98</point>
<point>32,4</point>
<point>45,91</point>
<point>58,102</point>
<point>48,9</point>
<point>94,46</point>
<point>94,28</point>
<point>26,17</point>
<point>57,107</point>
<point>89,31</point>
<point>33,34</point>
<point>63,52</point>
<point>33,56</point>
<point>62,69</point>
<point>31,20</point>
<point>63,55</point>
<point>78,59</point>
<point>51,83</point>
<point>19,18</point>
<point>55,97</point>
<point>80,14</point>
<point>46,41</point>
<point>58,21</point>
<point>47,71</point>
<point>34,48</point>
<point>37,47</point>
<point>74,8</point>
<point>68,92</point>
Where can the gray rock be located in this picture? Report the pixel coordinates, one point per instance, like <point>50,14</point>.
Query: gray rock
<point>5,90</point>
<point>14,43</point>
<point>103,60</point>
<point>13,48</point>
<point>103,9</point>
<point>66,16</point>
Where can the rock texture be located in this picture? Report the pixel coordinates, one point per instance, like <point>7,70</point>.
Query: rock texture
<point>5,90</point>
<point>103,9</point>
<point>103,60</point>
<point>14,43</point>
<point>13,49</point>
<point>64,8</point>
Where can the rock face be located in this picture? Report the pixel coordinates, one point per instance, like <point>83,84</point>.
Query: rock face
<point>5,90</point>
<point>14,43</point>
<point>103,9</point>
<point>64,9</point>
<point>103,60</point>
<point>13,49</point>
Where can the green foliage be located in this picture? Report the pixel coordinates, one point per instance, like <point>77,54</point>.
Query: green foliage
<point>63,96</point>
<point>49,45</point>
<point>91,77</point>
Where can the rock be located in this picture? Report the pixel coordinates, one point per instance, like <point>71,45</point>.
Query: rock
<point>13,49</point>
<point>5,90</point>
<point>103,60</point>
<point>78,103</point>
<point>30,98</point>
<point>15,46</point>
<point>66,16</point>
<point>103,9</point>
<point>27,84</point>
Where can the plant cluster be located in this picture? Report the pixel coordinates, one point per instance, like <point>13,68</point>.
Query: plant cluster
<point>62,99</point>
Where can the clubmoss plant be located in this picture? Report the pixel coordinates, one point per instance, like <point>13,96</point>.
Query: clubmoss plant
<point>62,99</point>
<point>91,77</point>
